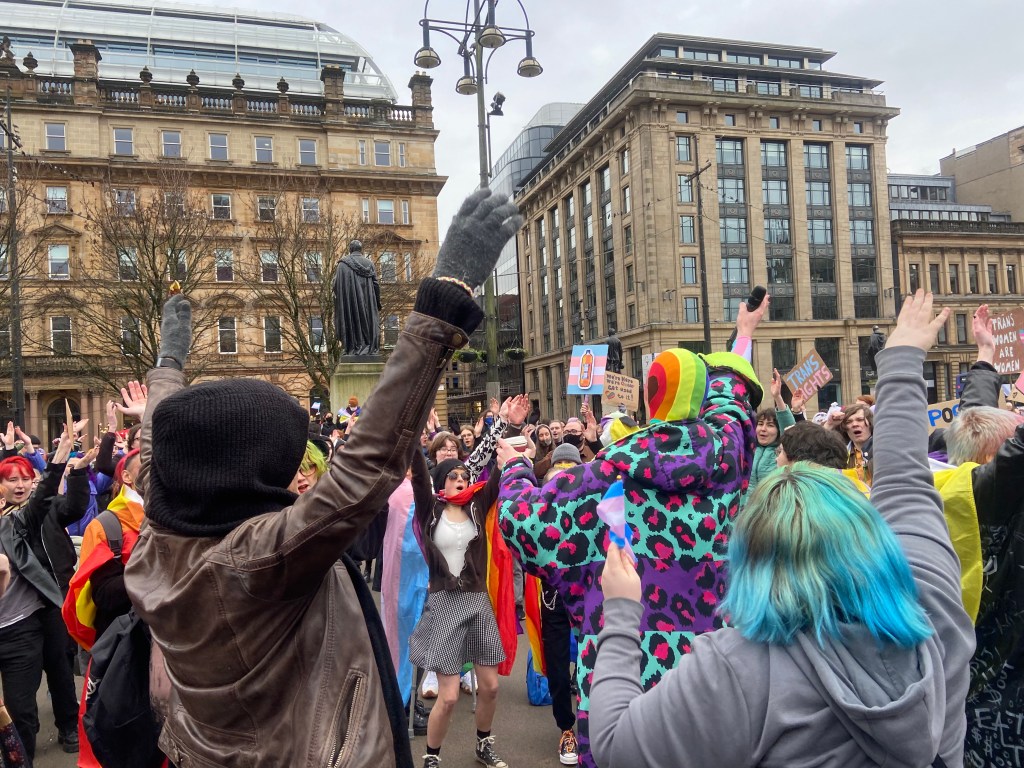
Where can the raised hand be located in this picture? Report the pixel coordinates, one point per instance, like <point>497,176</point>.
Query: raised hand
<point>619,577</point>
<point>747,321</point>
<point>8,436</point>
<point>797,403</point>
<point>26,439</point>
<point>484,223</point>
<point>776,386</point>
<point>176,329</point>
<point>134,397</point>
<point>111,410</point>
<point>64,446</point>
<point>502,412</point>
<point>86,458</point>
<point>518,409</point>
<point>918,326</point>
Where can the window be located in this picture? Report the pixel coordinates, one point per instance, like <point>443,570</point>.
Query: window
<point>56,200</point>
<point>933,279</point>
<point>816,125</point>
<point>961,328</point>
<point>218,146</point>
<point>858,127</point>
<point>313,266</point>
<point>365,204</point>
<point>682,117</point>
<point>177,264</point>
<point>701,55</point>
<point>811,91</point>
<point>915,277</point>
<point>385,211</point>
<point>406,217</point>
<point>630,285</point>
<point>743,58</point>
<point>682,149</point>
<point>993,278</point>
<point>124,143</point>
<point>725,85</point>
<point>780,270</point>
<point>784,354</point>
<point>862,232</point>
<point>362,151</point>
<point>769,88</point>
<point>60,335</point>
<point>779,61</point>
<point>819,193</point>
<point>389,268</point>
<point>865,306</point>
<point>730,120</point>
<point>224,264</point>
<point>773,153</point>
<point>624,161</point>
<point>954,278</point>
<point>731,309</point>
<point>732,229</point>
<point>691,311</point>
<point>170,143</point>
<point>268,266</point>
<point>773,123</point>
<point>264,149</point>
<point>131,336</point>
<point>221,204</point>
<point>382,153</point>
<point>627,204</point>
<point>630,316</point>
<point>5,266</point>
<point>316,334</point>
<point>689,270</point>
<point>266,208</point>
<point>686,230</point>
<point>307,151</point>
<point>667,52</point>
<point>627,239</point>
<point>731,191</point>
<point>311,210</point>
<point>271,335</point>
<point>823,269</point>
<point>59,258</point>
<point>684,188</point>
<point>729,151</point>
<point>735,271</point>
<point>775,191</point>
<point>227,339</point>
<point>972,278</point>
<point>941,337</point>
<point>824,308</point>
<point>1011,279</point>
<point>124,202</point>
<point>776,232</point>
<point>782,308</point>
<point>402,161</point>
<point>816,155</point>
<point>857,158</point>
<point>819,231</point>
<point>174,204</point>
<point>127,264</point>
<point>859,193</point>
<point>56,137</point>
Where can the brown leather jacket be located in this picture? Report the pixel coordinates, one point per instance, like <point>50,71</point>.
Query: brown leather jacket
<point>261,631</point>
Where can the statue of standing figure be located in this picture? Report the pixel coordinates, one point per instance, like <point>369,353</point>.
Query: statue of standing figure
<point>357,303</point>
<point>614,361</point>
<point>875,345</point>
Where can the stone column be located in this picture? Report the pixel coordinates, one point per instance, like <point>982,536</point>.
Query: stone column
<point>86,61</point>
<point>34,426</point>
<point>333,78</point>
<point>422,100</point>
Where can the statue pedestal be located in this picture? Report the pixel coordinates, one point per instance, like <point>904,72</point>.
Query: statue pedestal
<point>355,375</point>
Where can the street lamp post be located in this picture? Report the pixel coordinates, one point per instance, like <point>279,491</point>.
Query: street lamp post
<point>473,36</point>
<point>13,269</point>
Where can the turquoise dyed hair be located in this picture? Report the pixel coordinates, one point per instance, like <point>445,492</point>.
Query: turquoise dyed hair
<point>809,552</point>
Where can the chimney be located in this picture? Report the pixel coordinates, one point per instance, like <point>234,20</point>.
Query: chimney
<point>87,59</point>
<point>422,102</point>
<point>333,78</point>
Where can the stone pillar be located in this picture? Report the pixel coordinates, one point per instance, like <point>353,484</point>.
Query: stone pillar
<point>333,78</point>
<point>422,100</point>
<point>87,59</point>
<point>34,426</point>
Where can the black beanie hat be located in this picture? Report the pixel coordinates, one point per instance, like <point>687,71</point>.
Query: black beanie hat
<point>438,473</point>
<point>223,452</point>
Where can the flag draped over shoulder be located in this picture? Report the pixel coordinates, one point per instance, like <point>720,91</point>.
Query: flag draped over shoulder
<point>79,609</point>
<point>532,587</point>
<point>501,590</point>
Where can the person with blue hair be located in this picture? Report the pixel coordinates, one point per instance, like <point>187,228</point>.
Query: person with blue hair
<point>848,643</point>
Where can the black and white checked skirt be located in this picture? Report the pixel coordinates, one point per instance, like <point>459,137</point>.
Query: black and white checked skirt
<point>456,628</point>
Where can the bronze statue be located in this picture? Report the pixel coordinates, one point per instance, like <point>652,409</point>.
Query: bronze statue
<point>357,303</point>
<point>875,345</point>
<point>614,361</point>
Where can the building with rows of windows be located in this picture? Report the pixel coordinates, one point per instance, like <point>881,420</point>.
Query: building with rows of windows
<point>777,164</point>
<point>251,131</point>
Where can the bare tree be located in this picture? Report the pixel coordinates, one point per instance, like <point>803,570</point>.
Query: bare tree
<point>299,239</point>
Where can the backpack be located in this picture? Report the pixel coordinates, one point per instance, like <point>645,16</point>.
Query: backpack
<point>119,721</point>
<point>79,610</point>
<point>537,692</point>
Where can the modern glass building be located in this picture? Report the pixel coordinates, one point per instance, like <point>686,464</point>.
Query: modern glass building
<point>174,39</point>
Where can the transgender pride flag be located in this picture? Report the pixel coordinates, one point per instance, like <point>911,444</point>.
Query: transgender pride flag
<point>596,355</point>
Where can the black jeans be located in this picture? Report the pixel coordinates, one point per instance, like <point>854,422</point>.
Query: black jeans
<point>58,665</point>
<point>555,632</point>
<point>21,666</point>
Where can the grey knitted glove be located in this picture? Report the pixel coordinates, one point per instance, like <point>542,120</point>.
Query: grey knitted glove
<point>479,231</point>
<point>176,328</point>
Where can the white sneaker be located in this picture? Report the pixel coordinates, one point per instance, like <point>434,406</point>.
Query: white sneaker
<point>468,682</point>
<point>428,690</point>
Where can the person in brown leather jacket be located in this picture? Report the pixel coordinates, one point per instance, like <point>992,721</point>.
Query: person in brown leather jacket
<point>273,647</point>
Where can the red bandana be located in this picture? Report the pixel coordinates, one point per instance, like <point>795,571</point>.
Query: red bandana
<point>463,498</point>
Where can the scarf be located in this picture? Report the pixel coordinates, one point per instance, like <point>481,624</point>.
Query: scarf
<point>463,498</point>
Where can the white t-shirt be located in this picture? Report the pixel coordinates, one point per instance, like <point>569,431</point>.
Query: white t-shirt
<point>452,540</point>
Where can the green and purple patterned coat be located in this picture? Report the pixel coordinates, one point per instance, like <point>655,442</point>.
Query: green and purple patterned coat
<point>683,482</point>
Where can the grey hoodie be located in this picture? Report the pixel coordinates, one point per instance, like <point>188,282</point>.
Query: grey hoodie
<point>733,702</point>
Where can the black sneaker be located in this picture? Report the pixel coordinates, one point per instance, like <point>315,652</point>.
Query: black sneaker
<point>431,761</point>
<point>485,753</point>
<point>68,740</point>
<point>420,716</point>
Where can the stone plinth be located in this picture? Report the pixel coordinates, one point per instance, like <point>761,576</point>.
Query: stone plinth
<point>355,375</point>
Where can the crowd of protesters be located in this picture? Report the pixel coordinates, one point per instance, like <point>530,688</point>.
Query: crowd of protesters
<point>735,582</point>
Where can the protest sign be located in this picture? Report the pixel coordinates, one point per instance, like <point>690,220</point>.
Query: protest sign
<point>1009,349</point>
<point>621,390</point>
<point>809,376</point>
<point>586,369</point>
<point>942,414</point>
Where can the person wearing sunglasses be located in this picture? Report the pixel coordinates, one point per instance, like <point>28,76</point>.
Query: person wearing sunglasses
<point>458,625</point>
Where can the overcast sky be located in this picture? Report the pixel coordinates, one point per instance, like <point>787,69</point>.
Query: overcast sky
<point>954,69</point>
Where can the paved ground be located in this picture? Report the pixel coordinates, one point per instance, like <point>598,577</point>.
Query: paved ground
<point>525,736</point>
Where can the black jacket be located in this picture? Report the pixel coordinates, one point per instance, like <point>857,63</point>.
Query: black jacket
<point>53,546</point>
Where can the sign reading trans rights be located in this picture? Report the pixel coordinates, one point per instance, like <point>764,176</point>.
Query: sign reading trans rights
<point>1008,329</point>
<point>809,376</point>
